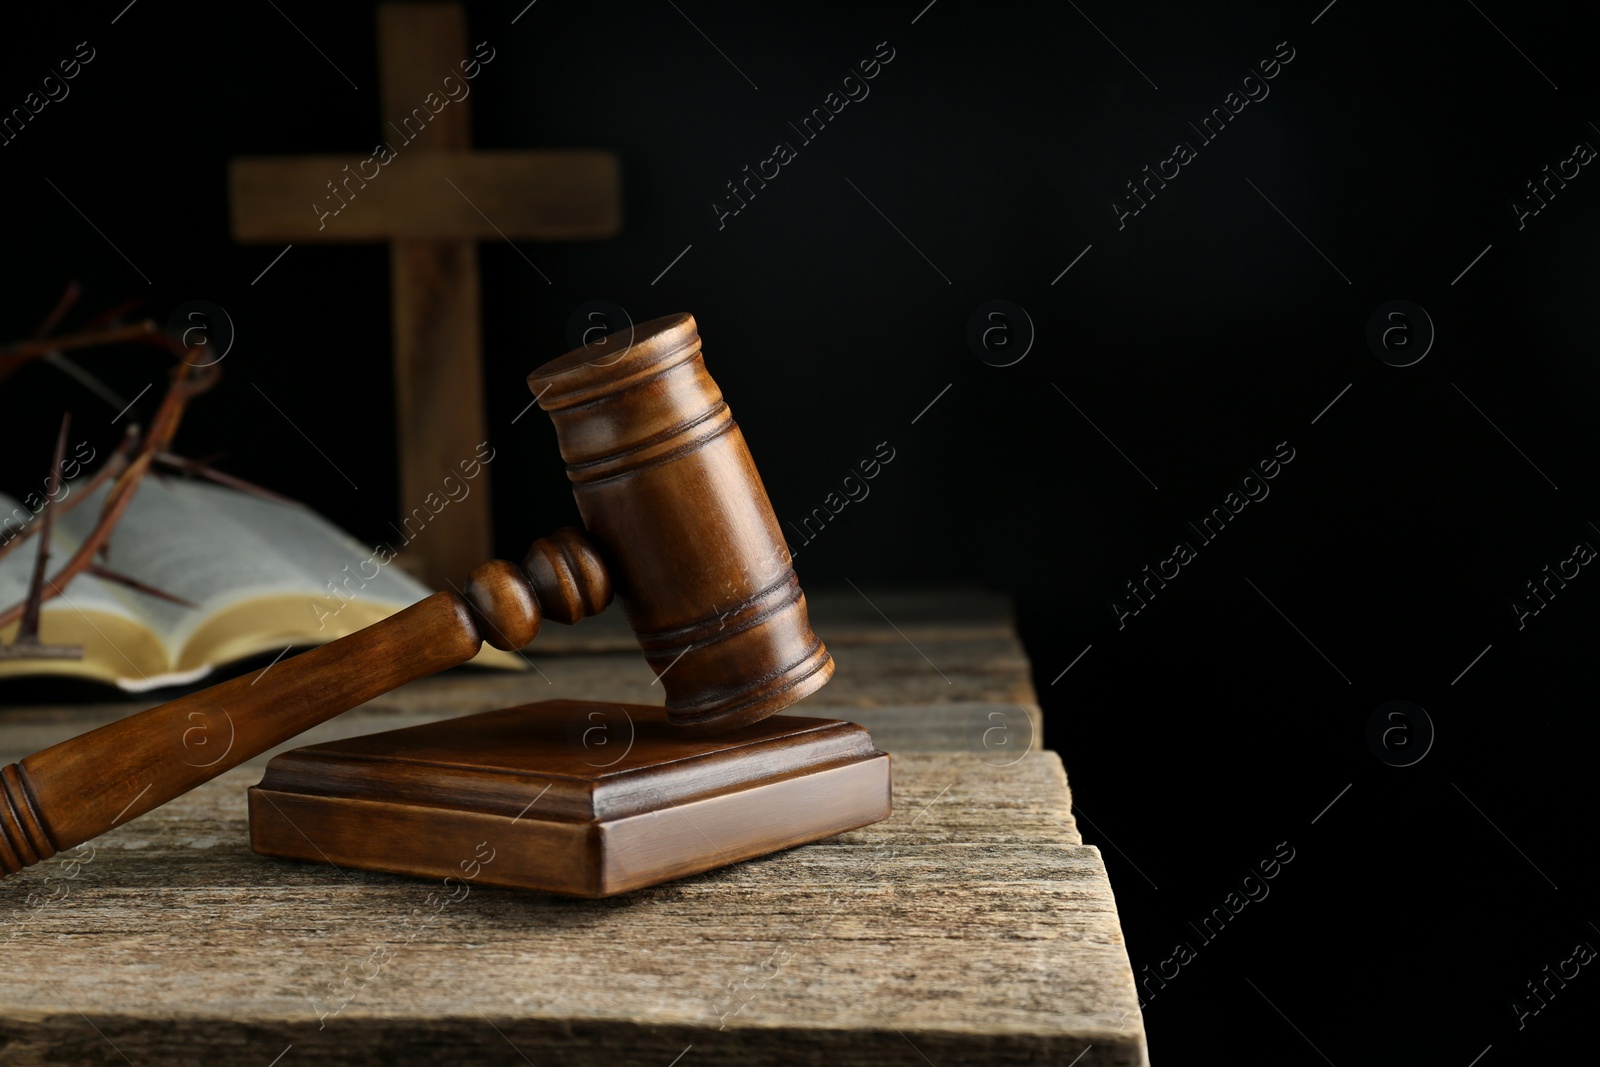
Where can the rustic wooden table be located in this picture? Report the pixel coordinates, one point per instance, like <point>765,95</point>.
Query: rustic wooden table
<point>972,927</point>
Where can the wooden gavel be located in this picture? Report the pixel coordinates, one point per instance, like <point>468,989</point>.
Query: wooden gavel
<point>677,521</point>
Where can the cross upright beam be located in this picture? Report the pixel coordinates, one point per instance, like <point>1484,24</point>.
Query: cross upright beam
<point>431,198</point>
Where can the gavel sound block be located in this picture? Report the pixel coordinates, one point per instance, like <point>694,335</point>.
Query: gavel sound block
<point>679,525</point>
<point>570,796</point>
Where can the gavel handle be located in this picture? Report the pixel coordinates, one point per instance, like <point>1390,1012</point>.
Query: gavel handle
<point>82,787</point>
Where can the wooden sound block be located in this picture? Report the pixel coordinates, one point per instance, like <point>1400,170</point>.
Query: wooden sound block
<point>587,799</point>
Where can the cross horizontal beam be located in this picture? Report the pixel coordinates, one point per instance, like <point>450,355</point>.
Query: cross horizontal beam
<point>548,195</point>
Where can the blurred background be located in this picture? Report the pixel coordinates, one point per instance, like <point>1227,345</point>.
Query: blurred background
<point>1165,353</point>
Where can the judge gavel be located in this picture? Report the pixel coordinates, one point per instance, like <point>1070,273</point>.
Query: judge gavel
<point>677,521</point>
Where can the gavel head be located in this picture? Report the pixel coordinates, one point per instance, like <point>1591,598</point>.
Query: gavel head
<point>672,500</point>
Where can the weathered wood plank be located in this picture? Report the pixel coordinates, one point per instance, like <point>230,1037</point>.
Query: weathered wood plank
<point>840,617</point>
<point>979,698</point>
<point>969,928</point>
<point>998,732</point>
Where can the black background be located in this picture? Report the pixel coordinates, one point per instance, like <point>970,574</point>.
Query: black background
<point>1197,338</point>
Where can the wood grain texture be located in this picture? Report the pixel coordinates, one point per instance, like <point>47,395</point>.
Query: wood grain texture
<point>418,44</point>
<point>438,394</point>
<point>569,796</point>
<point>540,195</point>
<point>902,728</point>
<point>434,309</point>
<point>974,921</point>
<point>887,688</point>
<point>969,928</point>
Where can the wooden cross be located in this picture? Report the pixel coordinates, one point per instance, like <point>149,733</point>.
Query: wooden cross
<point>405,197</point>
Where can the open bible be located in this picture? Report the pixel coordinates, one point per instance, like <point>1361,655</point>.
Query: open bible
<point>263,576</point>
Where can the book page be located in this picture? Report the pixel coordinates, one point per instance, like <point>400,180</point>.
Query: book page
<point>118,645</point>
<point>218,547</point>
<point>86,592</point>
<point>263,576</point>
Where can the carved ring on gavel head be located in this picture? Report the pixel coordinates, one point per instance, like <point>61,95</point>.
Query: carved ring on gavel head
<point>677,522</point>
